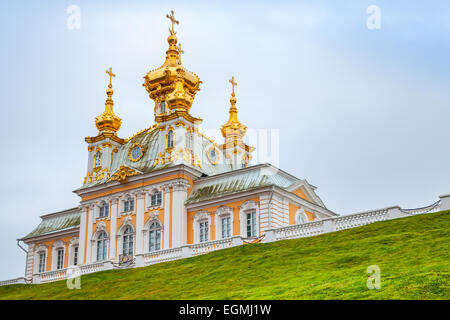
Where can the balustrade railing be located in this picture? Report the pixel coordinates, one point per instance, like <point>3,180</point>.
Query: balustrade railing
<point>307,229</point>
<point>161,256</point>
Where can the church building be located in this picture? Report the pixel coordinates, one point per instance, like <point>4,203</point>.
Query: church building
<point>167,186</point>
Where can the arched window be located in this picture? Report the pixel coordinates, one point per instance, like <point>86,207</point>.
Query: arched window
<point>300,217</point>
<point>155,199</point>
<point>162,107</point>
<point>128,238</point>
<point>102,246</point>
<point>154,237</point>
<point>98,158</point>
<point>170,139</point>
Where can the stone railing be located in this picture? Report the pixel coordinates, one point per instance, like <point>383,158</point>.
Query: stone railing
<point>207,247</point>
<point>435,207</point>
<point>360,219</point>
<point>307,229</point>
<point>21,280</point>
<point>147,259</point>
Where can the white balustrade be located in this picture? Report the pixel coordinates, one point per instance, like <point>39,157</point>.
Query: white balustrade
<point>206,247</point>
<point>162,256</point>
<point>307,229</point>
<point>51,276</point>
<point>359,219</point>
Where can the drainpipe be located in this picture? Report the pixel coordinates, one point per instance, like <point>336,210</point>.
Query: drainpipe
<point>26,258</point>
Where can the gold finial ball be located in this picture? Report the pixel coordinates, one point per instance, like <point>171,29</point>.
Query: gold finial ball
<point>172,39</point>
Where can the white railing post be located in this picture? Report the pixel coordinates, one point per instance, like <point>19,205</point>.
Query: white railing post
<point>108,265</point>
<point>270,236</point>
<point>328,225</point>
<point>139,260</point>
<point>236,241</point>
<point>186,251</point>
<point>36,279</point>
<point>445,202</point>
<point>394,213</point>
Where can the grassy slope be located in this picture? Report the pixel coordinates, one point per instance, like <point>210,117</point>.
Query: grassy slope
<point>413,254</point>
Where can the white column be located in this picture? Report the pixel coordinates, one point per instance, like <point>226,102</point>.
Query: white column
<point>113,226</point>
<point>82,235</point>
<point>166,231</point>
<point>89,235</point>
<point>140,222</point>
<point>179,213</point>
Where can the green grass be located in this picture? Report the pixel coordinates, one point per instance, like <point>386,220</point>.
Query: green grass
<point>412,253</point>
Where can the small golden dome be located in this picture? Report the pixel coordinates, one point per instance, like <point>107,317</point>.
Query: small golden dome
<point>233,128</point>
<point>172,82</point>
<point>108,121</point>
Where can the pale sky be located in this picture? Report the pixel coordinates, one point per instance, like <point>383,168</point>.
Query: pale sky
<point>362,114</point>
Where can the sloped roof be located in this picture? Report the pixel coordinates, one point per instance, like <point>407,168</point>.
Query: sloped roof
<point>150,139</point>
<point>57,221</point>
<point>239,181</point>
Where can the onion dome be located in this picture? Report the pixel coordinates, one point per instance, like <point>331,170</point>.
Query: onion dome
<point>172,83</point>
<point>108,121</point>
<point>233,129</point>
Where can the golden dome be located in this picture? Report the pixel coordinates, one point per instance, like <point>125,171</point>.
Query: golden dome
<point>108,121</point>
<point>172,82</point>
<point>233,128</point>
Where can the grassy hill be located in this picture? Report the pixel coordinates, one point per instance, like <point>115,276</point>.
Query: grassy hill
<point>412,253</point>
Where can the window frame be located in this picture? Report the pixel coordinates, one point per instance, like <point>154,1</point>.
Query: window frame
<point>155,236</point>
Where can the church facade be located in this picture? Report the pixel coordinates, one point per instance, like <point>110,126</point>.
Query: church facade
<point>168,185</point>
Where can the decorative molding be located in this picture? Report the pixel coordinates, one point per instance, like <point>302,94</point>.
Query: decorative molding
<point>122,174</point>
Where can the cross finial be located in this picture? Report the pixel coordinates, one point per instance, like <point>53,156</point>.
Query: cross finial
<point>111,75</point>
<point>180,51</point>
<point>233,84</point>
<point>172,19</point>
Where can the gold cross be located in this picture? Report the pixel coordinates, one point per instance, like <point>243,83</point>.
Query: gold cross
<point>111,75</point>
<point>172,18</point>
<point>233,84</point>
<point>180,51</point>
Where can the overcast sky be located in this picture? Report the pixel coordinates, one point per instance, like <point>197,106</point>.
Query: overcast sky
<point>362,114</point>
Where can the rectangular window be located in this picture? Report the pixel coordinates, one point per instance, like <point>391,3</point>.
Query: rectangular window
<point>128,205</point>
<point>75,256</point>
<point>156,199</point>
<point>104,211</point>
<point>251,224</point>
<point>226,227</point>
<point>41,262</point>
<point>204,231</point>
<point>60,261</point>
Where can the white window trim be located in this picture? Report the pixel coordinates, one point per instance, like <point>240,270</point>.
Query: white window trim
<point>223,212</point>
<point>152,192</point>
<point>94,241</point>
<point>103,203</point>
<point>247,207</point>
<point>40,249</point>
<point>199,217</point>
<point>74,242</point>
<point>300,213</point>
<point>127,197</point>
<point>57,245</point>
<point>119,237</point>
<point>146,230</point>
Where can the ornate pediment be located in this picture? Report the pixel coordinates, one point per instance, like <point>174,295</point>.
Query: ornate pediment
<point>122,174</point>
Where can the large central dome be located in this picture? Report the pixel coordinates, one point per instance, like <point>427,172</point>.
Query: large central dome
<point>172,86</point>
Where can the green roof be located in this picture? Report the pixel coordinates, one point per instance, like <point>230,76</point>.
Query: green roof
<point>150,139</point>
<point>56,222</point>
<point>239,181</point>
